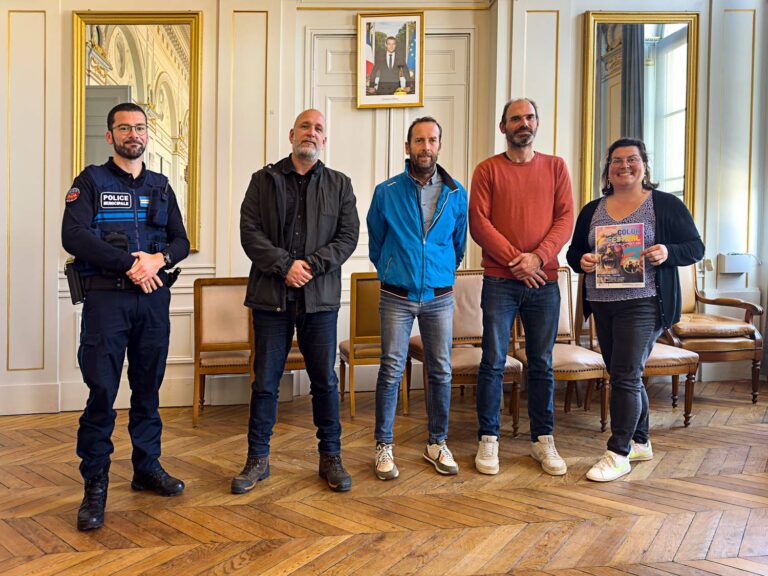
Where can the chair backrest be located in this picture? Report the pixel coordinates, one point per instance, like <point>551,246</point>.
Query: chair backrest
<point>565,331</point>
<point>364,321</point>
<point>222,321</point>
<point>687,276</point>
<point>467,313</point>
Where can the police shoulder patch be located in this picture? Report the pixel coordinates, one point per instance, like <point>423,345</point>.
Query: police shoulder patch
<point>72,195</point>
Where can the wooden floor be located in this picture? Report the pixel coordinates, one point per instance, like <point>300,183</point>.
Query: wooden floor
<point>700,507</point>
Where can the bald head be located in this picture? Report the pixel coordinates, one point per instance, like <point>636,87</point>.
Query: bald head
<point>308,135</point>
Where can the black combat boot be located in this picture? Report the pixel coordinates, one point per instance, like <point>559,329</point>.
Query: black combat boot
<point>256,468</point>
<point>158,481</point>
<point>332,471</point>
<point>91,512</point>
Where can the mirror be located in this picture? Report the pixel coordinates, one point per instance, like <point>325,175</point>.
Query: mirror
<point>640,81</point>
<point>153,60</point>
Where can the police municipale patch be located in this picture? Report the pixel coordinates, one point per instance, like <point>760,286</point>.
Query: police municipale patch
<point>72,195</point>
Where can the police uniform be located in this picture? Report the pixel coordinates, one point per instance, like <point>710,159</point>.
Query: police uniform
<point>108,215</point>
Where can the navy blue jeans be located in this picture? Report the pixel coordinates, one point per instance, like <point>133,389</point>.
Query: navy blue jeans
<point>113,322</point>
<point>539,310</point>
<point>316,333</point>
<point>627,331</point>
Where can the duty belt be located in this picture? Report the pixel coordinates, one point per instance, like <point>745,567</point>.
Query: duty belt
<point>105,283</point>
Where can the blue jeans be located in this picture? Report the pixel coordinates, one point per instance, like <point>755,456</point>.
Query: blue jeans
<point>539,310</point>
<point>627,331</point>
<point>436,327</point>
<point>273,334</point>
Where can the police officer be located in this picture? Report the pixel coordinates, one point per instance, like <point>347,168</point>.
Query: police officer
<point>123,225</point>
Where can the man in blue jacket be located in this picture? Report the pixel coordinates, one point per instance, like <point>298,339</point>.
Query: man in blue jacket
<point>417,229</point>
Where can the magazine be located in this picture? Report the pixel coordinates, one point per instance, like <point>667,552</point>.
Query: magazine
<point>619,263</point>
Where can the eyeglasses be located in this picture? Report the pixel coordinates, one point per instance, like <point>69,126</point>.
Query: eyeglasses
<point>632,161</point>
<point>140,129</point>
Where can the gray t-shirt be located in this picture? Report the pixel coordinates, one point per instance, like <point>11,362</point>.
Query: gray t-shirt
<point>644,215</point>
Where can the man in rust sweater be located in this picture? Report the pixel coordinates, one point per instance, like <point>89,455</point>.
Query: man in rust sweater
<point>521,215</point>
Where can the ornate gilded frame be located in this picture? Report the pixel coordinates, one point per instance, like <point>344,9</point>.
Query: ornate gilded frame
<point>146,18</point>
<point>591,20</point>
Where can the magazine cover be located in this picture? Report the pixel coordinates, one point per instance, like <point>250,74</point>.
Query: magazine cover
<point>619,264</point>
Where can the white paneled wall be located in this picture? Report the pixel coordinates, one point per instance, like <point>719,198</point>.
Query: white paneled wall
<point>266,60</point>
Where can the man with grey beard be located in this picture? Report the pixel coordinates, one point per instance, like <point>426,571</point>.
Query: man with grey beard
<point>298,225</point>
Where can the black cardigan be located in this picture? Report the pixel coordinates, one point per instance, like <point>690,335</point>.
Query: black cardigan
<point>674,228</point>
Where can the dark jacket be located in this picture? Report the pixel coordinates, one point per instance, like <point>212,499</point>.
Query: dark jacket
<point>674,228</point>
<point>332,231</point>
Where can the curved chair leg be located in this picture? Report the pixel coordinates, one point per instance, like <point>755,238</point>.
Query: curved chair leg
<point>351,391</point>
<point>591,385</point>
<point>675,389</point>
<point>515,406</point>
<point>569,388</point>
<point>425,379</point>
<point>604,399</point>
<point>690,380</point>
<point>755,379</point>
<point>196,397</point>
<point>342,378</point>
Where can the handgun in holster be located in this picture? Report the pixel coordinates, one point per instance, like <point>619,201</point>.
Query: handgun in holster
<point>173,275</point>
<point>75,282</point>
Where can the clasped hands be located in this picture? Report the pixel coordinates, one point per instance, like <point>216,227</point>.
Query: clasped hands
<point>299,274</point>
<point>526,268</point>
<point>144,271</point>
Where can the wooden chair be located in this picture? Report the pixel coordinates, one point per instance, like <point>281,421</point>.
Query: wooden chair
<point>713,337</point>
<point>664,360</point>
<point>363,347</point>
<point>570,362</point>
<point>223,333</point>
<point>466,351</point>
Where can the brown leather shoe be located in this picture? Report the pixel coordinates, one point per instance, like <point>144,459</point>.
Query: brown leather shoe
<point>256,469</point>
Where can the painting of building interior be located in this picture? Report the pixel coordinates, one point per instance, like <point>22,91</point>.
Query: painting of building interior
<point>150,66</point>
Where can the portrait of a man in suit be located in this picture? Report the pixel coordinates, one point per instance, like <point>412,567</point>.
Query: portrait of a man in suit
<point>390,71</point>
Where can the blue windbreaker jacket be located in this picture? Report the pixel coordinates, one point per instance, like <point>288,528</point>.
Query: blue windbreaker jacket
<point>404,253</point>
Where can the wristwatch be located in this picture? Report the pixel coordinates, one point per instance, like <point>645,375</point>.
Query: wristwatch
<point>167,258</point>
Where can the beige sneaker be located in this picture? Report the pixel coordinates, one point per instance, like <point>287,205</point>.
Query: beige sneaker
<point>640,452</point>
<point>384,467</point>
<point>487,458</point>
<point>610,467</point>
<point>544,451</point>
<point>441,459</point>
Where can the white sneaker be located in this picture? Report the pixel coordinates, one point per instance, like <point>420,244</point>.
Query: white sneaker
<point>544,451</point>
<point>441,458</point>
<point>640,452</point>
<point>384,467</point>
<point>610,467</point>
<point>487,459</point>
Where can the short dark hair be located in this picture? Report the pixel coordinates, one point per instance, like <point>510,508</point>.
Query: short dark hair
<point>123,107</point>
<point>513,101</point>
<point>423,120</point>
<point>390,38</point>
<point>623,143</point>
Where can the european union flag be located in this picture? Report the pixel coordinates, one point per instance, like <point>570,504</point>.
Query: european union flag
<point>411,31</point>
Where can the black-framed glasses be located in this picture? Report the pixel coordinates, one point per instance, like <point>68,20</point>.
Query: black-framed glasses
<point>124,129</point>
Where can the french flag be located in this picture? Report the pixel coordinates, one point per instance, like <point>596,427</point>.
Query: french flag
<point>368,49</point>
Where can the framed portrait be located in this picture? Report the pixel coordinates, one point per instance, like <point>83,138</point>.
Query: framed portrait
<point>390,59</point>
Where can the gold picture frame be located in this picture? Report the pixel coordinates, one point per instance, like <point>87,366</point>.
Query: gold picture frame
<point>597,25</point>
<point>142,54</point>
<point>390,59</point>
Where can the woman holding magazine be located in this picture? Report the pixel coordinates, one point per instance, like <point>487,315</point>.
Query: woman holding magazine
<point>628,244</point>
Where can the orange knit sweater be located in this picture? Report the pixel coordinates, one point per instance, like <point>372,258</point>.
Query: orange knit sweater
<point>515,208</point>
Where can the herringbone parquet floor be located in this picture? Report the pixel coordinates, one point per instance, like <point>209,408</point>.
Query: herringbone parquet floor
<point>700,507</point>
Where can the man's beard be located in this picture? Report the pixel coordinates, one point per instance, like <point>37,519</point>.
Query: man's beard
<point>521,138</point>
<point>420,169</point>
<point>307,151</point>
<point>129,153</point>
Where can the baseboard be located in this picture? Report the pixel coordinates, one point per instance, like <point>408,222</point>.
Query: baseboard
<point>29,398</point>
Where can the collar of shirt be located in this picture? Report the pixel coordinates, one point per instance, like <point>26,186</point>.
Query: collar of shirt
<point>126,175</point>
<point>288,167</point>
<point>434,180</point>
